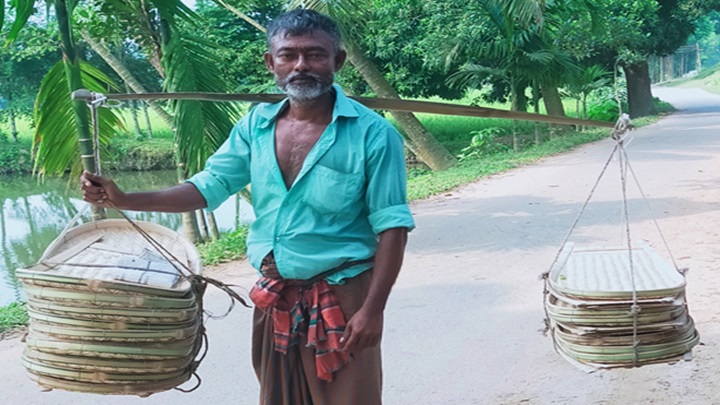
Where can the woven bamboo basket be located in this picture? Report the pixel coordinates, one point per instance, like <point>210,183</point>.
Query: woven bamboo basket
<point>112,314</point>
<point>605,315</point>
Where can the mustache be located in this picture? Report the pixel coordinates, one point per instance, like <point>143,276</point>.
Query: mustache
<point>304,76</point>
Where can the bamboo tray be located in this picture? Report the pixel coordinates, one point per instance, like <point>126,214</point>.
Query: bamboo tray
<point>623,355</point>
<point>141,388</point>
<point>93,364</point>
<point>111,254</point>
<point>107,325</point>
<point>604,273</point>
<point>106,299</point>
<point>150,351</point>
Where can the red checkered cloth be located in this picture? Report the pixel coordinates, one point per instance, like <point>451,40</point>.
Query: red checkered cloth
<point>314,311</point>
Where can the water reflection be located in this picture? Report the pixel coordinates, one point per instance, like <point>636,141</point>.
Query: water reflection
<point>33,214</point>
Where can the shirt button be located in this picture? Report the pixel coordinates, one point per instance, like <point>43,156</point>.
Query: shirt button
<point>277,239</point>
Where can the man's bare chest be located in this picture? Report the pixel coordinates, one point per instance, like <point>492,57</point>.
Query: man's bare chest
<point>293,142</point>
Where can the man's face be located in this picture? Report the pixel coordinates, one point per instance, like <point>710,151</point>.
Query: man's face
<point>304,65</point>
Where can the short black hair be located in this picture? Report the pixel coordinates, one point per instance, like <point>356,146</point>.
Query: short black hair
<point>302,21</point>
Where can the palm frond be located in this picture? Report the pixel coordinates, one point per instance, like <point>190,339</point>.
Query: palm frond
<point>175,9</point>
<point>201,127</point>
<point>472,75</point>
<point>56,137</point>
<point>345,12</point>
<point>23,10</point>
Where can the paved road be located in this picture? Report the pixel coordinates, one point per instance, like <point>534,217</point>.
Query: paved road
<point>462,323</point>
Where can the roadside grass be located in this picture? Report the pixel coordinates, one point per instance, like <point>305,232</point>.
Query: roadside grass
<point>230,246</point>
<point>12,317</point>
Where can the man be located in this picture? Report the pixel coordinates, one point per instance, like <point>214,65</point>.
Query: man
<point>328,182</point>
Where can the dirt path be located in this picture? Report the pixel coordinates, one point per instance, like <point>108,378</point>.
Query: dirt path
<point>462,324</point>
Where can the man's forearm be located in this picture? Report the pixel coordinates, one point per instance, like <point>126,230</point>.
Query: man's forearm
<point>181,198</point>
<point>388,261</point>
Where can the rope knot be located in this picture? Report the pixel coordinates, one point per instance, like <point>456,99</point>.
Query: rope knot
<point>621,127</point>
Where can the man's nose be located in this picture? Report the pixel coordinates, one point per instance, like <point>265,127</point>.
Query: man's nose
<point>301,64</point>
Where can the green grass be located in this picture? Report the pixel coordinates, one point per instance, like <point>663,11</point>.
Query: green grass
<point>230,246</point>
<point>12,317</point>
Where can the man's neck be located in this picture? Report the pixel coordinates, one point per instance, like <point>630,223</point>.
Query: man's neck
<point>317,110</point>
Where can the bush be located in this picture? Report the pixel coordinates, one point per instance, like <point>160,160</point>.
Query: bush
<point>483,143</point>
<point>230,246</point>
<point>15,158</point>
<point>131,155</point>
<point>13,316</point>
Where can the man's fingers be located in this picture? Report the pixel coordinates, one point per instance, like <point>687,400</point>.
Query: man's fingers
<point>347,338</point>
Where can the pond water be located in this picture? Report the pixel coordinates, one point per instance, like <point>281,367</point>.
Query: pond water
<point>33,214</point>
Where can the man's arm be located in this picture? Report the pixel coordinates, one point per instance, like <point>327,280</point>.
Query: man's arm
<point>364,329</point>
<point>103,192</point>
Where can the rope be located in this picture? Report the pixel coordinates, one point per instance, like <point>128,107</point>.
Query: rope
<point>634,308</point>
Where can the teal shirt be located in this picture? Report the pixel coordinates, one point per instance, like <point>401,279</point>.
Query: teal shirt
<point>351,187</point>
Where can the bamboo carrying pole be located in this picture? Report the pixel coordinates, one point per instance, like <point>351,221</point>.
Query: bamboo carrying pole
<point>375,103</point>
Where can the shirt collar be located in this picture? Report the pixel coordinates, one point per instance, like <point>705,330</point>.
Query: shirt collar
<point>343,108</point>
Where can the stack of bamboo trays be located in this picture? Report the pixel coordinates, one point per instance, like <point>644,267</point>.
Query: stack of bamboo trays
<point>109,314</point>
<point>590,306</point>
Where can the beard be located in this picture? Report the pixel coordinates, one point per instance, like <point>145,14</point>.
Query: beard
<point>304,87</point>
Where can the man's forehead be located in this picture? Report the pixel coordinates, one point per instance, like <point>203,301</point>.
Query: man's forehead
<point>305,41</point>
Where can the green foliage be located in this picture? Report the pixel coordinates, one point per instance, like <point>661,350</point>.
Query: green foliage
<point>15,158</point>
<point>12,317</point>
<point>606,110</point>
<point>230,246</point>
<point>125,154</point>
<point>707,36</point>
<point>56,134</point>
<point>483,143</point>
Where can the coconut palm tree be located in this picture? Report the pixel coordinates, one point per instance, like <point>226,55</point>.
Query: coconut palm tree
<point>184,61</point>
<point>514,46</point>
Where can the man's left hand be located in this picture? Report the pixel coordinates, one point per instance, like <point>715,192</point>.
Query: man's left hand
<point>364,329</point>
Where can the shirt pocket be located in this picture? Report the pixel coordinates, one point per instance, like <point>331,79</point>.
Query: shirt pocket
<point>329,191</point>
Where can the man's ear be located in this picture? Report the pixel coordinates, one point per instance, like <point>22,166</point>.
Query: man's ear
<point>340,59</point>
<point>269,62</point>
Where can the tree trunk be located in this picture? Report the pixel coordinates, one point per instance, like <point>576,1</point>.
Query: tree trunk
<point>518,99</point>
<point>72,71</point>
<point>551,99</point>
<point>427,148</point>
<point>134,113</point>
<point>212,227</point>
<point>13,126</point>
<point>147,121</point>
<point>202,223</point>
<point>536,109</point>
<point>124,74</point>
<point>242,15</point>
<point>640,98</point>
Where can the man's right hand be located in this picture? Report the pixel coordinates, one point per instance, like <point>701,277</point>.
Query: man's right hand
<point>100,191</point>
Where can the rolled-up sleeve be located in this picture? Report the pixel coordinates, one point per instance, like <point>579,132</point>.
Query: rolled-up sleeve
<point>386,195</point>
<point>227,171</point>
